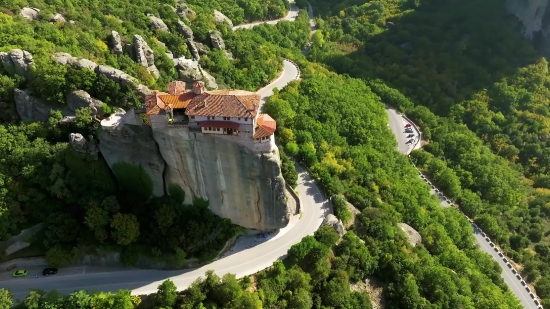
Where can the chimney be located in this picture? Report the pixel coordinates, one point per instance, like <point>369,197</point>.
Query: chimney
<point>176,87</point>
<point>198,88</point>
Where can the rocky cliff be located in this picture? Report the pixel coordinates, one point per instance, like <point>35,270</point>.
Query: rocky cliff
<point>535,18</point>
<point>245,187</point>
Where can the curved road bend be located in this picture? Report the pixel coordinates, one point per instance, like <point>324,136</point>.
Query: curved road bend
<point>243,262</point>
<point>397,124</point>
<point>290,16</point>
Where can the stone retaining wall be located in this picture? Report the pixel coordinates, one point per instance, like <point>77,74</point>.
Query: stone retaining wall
<point>296,197</point>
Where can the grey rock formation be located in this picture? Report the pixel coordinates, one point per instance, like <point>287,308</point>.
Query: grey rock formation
<point>67,120</point>
<point>80,98</point>
<point>125,139</point>
<point>209,79</point>
<point>202,49</point>
<point>30,13</point>
<point>184,30</point>
<point>413,236</point>
<point>189,70</point>
<point>82,146</point>
<point>116,43</point>
<point>217,40</point>
<point>145,55</point>
<point>57,18</point>
<point>157,23</point>
<point>18,62</point>
<point>113,74</point>
<point>244,187</point>
<point>183,10</point>
<point>220,17</point>
<point>536,25</point>
<point>335,223</point>
<point>30,108</point>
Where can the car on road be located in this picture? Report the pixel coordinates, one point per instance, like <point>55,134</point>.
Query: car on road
<point>519,277</point>
<point>496,249</point>
<point>514,271</point>
<point>491,244</point>
<point>536,302</point>
<point>523,283</point>
<point>410,135</point>
<point>408,125</point>
<point>410,141</point>
<point>409,131</point>
<point>509,265</point>
<point>483,234</point>
<point>528,289</point>
<point>532,296</point>
<point>488,239</point>
<point>49,271</point>
<point>20,273</point>
<point>500,254</point>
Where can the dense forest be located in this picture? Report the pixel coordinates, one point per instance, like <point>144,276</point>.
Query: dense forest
<point>479,93</point>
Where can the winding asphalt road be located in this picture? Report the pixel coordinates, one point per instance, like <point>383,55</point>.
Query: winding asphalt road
<point>397,124</point>
<point>252,259</point>
<point>290,16</point>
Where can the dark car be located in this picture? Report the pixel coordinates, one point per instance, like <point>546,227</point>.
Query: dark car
<point>410,135</point>
<point>49,271</point>
<point>409,130</point>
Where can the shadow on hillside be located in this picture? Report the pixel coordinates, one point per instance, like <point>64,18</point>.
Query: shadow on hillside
<point>439,54</point>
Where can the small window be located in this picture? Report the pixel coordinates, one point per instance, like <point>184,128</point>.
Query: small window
<point>192,117</point>
<point>217,129</point>
<point>213,117</point>
<point>239,119</point>
<point>245,119</point>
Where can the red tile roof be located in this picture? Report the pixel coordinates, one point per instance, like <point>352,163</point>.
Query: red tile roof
<point>265,126</point>
<point>177,100</point>
<point>220,124</point>
<point>238,104</point>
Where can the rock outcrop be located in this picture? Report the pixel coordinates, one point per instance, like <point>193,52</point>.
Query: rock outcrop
<point>116,43</point>
<point>413,236</point>
<point>184,30</point>
<point>30,108</point>
<point>157,23</point>
<point>335,223</point>
<point>220,17</point>
<point>80,98</point>
<point>244,187</point>
<point>217,40</point>
<point>145,55</point>
<point>18,62</point>
<point>183,10</point>
<point>30,13</point>
<point>57,18</point>
<point>536,26</point>
<point>82,146</point>
<point>113,74</point>
<point>190,71</point>
<point>130,151</point>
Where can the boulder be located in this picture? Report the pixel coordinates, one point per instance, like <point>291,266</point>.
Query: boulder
<point>116,43</point>
<point>57,18</point>
<point>220,17</point>
<point>157,23</point>
<point>110,72</point>
<point>183,10</point>
<point>30,108</point>
<point>217,40</point>
<point>80,98</point>
<point>66,120</point>
<point>202,49</point>
<point>30,13</point>
<point>144,54</point>
<point>82,146</point>
<point>189,70</point>
<point>335,223</point>
<point>184,30</point>
<point>17,62</point>
<point>413,236</point>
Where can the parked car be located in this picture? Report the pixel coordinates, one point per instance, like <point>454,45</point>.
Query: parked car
<point>408,125</point>
<point>528,289</point>
<point>523,283</point>
<point>509,265</point>
<point>410,141</point>
<point>410,135</point>
<point>491,244</point>
<point>532,296</point>
<point>500,254</point>
<point>536,302</point>
<point>49,271</point>
<point>514,271</point>
<point>488,239</point>
<point>20,273</point>
<point>496,249</point>
<point>519,277</point>
<point>505,260</point>
<point>483,234</point>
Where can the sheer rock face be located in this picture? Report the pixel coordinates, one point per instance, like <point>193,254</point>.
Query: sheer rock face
<point>30,13</point>
<point>157,23</point>
<point>217,40</point>
<point>184,30</point>
<point>80,98</point>
<point>125,139</point>
<point>244,187</point>
<point>17,62</point>
<point>536,27</point>
<point>220,17</point>
<point>116,43</point>
<point>145,55</point>
<point>190,71</point>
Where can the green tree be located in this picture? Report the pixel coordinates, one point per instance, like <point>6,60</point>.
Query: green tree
<point>6,299</point>
<point>166,294</point>
<point>125,228</point>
